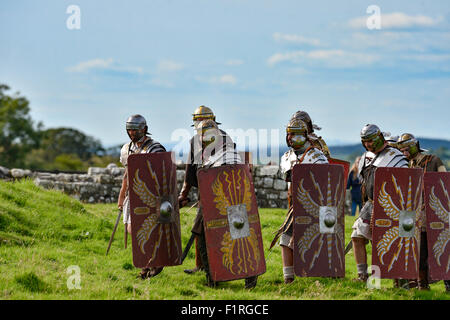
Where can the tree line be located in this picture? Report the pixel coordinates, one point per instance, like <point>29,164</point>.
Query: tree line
<point>27,144</point>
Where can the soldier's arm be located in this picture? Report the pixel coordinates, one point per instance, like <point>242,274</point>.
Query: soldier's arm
<point>440,165</point>
<point>183,198</point>
<point>123,190</point>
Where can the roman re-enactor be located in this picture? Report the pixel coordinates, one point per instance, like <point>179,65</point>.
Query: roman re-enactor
<point>190,175</point>
<point>217,149</point>
<point>137,130</point>
<point>301,151</point>
<point>378,154</point>
<point>417,157</point>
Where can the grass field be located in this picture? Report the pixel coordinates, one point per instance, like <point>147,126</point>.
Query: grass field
<point>46,236</point>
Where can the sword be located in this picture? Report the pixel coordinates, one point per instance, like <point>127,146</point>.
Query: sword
<point>348,247</point>
<point>188,246</point>
<point>114,231</point>
<point>191,239</point>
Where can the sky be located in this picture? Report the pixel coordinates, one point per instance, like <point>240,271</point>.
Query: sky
<point>347,63</point>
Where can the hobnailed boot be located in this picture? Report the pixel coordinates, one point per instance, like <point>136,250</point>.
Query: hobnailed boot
<point>288,280</point>
<point>423,285</point>
<point>250,282</point>
<point>191,271</point>
<point>401,283</point>
<point>447,285</point>
<point>362,277</point>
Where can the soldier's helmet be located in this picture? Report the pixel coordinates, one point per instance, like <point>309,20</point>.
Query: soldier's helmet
<point>371,132</point>
<point>407,140</point>
<point>202,113</point>
<point>299,131</point>
<point>137,122</point>
<point>304,116</point>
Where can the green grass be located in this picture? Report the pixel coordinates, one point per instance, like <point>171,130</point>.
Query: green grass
<point>43,233</point>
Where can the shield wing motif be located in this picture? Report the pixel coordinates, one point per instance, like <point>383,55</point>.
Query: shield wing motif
<point>318,192</point>
<point>395,220</point>
<point>437,207</point>
<point>155,219</point>
<point>231,222</point>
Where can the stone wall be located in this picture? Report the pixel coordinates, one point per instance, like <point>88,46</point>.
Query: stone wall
<point>102,185</point>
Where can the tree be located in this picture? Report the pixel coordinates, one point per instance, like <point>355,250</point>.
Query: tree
<point>18,134</point>
<point>58,145</point>
<point>70,141</point>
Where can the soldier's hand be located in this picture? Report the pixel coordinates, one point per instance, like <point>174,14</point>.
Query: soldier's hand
<point>182,201</point>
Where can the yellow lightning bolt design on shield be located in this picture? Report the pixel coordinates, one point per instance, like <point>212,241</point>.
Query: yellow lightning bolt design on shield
<point>399,192</point>
<point>317,252</point>
<point>317,187</point>
<point>154,177</point>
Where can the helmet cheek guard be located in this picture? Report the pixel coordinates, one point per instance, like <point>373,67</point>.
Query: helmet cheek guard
<point>298,141</point>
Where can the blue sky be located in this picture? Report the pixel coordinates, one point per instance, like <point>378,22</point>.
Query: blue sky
<point>253,62</point>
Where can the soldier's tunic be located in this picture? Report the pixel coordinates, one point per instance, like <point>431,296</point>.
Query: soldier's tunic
<point>388,157</point>
<point>309,155</point>
<point>148,146</point>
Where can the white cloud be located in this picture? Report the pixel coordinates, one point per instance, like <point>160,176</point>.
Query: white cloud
<point>224,79</point>
<point>102,64</point>
<point>332,58</point>
<point>296,39</point>
<point>396,20</point>
<point>169,66</point>
<point>91,64</point>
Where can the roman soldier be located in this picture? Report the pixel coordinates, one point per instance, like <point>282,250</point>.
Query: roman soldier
<point>417,157</point>
<point>379,154</point>
<point>137,131</point>
<point>190,176</point>
<point>217,149</point>
<point>302,150</point>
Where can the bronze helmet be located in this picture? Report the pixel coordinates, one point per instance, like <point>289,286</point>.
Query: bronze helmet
<point>407,140</point>
<point>371,132</point>
<point>300,130</point>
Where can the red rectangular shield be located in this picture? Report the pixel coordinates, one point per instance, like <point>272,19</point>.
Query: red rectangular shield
<point>346,166</point>
<point>395,222</point>
<point>318,200</point>
<point>437,207</point>
<point>231,222</point>
<point>155,218</point>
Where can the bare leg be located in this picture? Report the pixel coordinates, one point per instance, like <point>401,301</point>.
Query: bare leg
<point>360,253</point>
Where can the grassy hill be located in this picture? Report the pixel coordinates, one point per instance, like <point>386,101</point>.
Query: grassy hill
<point>44,234</point>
